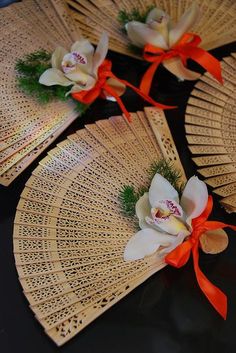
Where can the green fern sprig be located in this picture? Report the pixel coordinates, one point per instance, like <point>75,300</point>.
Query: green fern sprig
<point>167,170</point>
<point>134,15</point>
<point>30,68</point>
<point>33,64</point>
<point>128,198</point>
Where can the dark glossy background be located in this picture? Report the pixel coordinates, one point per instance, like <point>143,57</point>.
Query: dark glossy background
<point>168,313</point>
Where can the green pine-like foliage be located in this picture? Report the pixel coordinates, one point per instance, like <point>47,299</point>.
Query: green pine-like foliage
<point>128,196</point>
<point>134,15</point>
<point>30,68</point>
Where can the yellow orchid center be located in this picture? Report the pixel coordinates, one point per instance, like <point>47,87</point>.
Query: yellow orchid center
<point>166,211</point>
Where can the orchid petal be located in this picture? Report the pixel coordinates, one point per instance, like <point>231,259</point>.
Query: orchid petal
<point>91,81</point>
<point>194,198</point>
<point>170,205</point>
<point>161,189</point>
<point>143,209</point>
<point>73,60</point>
<point>117,86</point>
<point>52,77</point>
<point>140,34</point>
<point>77,75</point>
<point>144,243</point>
<point>85,48</point>
<point>177,241</point>
<point>187,21</point>
<point>171,225</point>
<point>159,21</point>
<point>157,15</point>
<point>57,57</point>
<point>75,89</point>
<point>79,87</point>
<point>214,241</point>
<point>177,68</point>
<point>100,52</point>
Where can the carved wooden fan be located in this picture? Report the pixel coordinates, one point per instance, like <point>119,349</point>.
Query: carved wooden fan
<point>27,127</point>
<point>216,25</point>
<point>211,131</point>
<point>69,232</point>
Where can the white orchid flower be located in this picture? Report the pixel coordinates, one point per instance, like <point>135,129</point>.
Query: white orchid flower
<point>78,68</point>
<point>164,221</point>
<point>160,32</point>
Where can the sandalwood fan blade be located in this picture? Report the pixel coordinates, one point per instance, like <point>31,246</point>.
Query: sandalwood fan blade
<point>216,25</point>
<point>26,126</point>
<point>211,131</point>
<point>69,229</point>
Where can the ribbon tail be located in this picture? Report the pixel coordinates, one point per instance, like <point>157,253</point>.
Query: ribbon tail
<point>213,225</point>
<point>206,60</point>
<point>215,296</point>
<point>147,78</point>
<point>147,98</point>
<point>137,90</point>
<point>113,93</point>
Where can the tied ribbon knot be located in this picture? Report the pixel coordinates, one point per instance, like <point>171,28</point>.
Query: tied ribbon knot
<point>181,254</point>
<point>186,48</point>
<point>104,72</point>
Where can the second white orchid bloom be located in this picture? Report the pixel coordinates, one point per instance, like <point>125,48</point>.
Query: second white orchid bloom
<point>160,32</point>
<point>164,220</point>
<point>79,67</point>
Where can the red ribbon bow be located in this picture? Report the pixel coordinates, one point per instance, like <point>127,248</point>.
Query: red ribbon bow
<point>180,255</point>
<point>186,48</point>
<point>104,72</point>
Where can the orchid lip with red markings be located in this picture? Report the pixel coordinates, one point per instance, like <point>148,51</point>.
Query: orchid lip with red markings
<point>163,210</point>
<point>70,61</point>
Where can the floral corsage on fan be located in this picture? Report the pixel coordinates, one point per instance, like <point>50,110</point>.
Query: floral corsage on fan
<point>161,41</point>
<point>83,74</point>
<point>172,227</point>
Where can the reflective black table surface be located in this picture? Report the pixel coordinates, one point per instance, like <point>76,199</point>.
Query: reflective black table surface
<point>166,314</point>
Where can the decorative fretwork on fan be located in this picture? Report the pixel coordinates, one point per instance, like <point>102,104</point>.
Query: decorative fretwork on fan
<point>211,131</point>
<point>70,233</point>
<point>216,25</point>
<point>28,127</point>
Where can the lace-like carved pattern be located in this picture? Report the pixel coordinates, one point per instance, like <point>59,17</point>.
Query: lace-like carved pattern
<point>166,143</point>
<point>116,282</point>
<point>43,294</point>
<point>27,127</point>
<point>70,234</point>
<point>216,25</point>
<point>86,140</point>
<point>218,170</point>
<point>8,176</point>
<point>211,149</point>
<point>81,294</point>
<point>211,130</point>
